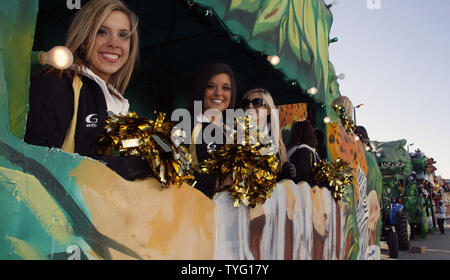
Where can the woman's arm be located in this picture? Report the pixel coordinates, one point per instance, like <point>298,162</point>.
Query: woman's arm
<point>128,167</point>
<point>51,110</point>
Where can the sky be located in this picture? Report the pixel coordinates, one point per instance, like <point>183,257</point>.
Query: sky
<point>395,55</point>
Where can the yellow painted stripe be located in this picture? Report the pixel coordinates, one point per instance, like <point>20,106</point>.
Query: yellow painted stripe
<point>23,250</point>
<point>28,190</point>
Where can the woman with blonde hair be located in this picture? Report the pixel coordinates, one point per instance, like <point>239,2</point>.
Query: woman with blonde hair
<point>68,108</point>
<point>88,31</point>
<point>344,102</point>
<point>258,103</point>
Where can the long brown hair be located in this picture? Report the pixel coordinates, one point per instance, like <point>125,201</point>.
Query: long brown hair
<point>205,75</point>
<point>83,31</point>
<point>302,132</point>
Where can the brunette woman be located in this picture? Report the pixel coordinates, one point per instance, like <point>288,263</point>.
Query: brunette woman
<point>302,152</point>
<point>214,91</point>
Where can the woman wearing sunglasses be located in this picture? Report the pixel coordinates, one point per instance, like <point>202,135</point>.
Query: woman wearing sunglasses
<point>259,105</point>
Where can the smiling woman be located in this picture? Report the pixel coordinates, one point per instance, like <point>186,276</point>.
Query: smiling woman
<point>68,108</point>
<point>215,89</point>
<point>112,45</point>
<point>217,93</point>
<point>102,32</point>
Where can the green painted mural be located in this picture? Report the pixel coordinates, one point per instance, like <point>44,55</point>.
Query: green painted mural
<point>298,31</point>
<point>56,205</point>
<point>17,29</point>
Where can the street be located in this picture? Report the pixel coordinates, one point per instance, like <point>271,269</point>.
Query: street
<point>437,247</point>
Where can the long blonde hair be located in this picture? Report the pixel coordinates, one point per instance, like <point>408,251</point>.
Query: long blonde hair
<point>83,31</point>
<point>345,102</point>
<point>274,120</point>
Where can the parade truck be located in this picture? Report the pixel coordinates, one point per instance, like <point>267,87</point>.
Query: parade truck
<point>60,205</point>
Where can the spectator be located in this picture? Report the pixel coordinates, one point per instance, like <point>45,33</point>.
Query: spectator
<point>441,216</point>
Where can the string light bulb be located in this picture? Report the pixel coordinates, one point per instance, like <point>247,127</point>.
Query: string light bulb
<point>312,91</point>
<point>326,120</point>
<point>59,57</point>
<point>340,76</point>
<point>334,3</point>
<point>273,59</point>
<point>334,40</point>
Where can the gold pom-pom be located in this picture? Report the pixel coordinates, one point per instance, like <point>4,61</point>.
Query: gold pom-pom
<point>337,175</point>
<point>250,161</point>
<point>153,140</point>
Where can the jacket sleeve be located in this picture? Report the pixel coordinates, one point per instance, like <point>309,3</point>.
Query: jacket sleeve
<point>128,167</point>
<point>206,183</point>
<point>302,160</point>
<point>49,117</point>
<point>51,110</point>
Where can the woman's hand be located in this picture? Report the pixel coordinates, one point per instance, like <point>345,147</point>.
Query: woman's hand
<point>288,171</point>
<point>136,168</point>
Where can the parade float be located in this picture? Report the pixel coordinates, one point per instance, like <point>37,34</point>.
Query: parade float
<point>57,205</point>
<point>425,182</point>
<point>403,183</point>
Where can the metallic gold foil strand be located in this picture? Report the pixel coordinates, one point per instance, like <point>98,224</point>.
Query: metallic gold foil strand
<point>252,169</point>
<point>337,175</point>
<point>150,140</point>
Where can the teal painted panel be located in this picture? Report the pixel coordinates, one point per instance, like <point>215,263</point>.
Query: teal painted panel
<point>20,160</point>
<point>17,20</point>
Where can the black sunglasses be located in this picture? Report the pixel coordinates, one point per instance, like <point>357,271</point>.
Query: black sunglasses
<point>257,102</point>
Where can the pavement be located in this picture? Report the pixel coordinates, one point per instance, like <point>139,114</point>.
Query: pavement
<point>435,246</point>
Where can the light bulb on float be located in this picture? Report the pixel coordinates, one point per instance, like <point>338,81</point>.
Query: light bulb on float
<point>273,59</point>
<point>312,91</point>
<point>59,57</point>
<point>340,76</point>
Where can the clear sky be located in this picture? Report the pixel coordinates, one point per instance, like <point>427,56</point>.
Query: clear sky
<point>396,61</point>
